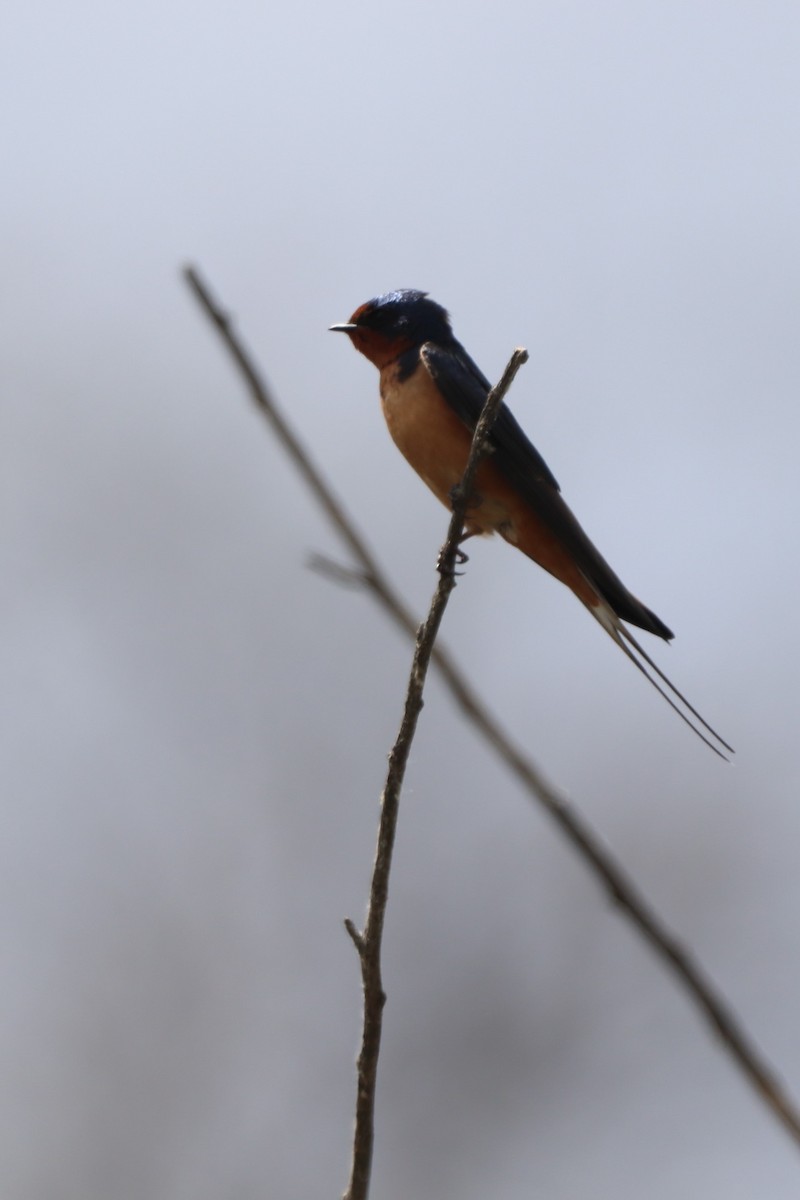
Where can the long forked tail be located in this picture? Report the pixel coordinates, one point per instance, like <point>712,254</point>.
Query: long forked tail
<point>675,699</point>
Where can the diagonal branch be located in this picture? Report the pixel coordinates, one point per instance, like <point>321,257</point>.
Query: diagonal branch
<point>610,874</point>
<point>369,942</point>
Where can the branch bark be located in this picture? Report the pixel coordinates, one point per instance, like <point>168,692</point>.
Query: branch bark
<point>611,875</point>
<point>368,944</point>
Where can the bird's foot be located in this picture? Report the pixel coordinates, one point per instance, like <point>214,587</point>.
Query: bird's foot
<point>449,568</point>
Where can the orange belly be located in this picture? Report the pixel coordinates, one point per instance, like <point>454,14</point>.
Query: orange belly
<point>436,443</point>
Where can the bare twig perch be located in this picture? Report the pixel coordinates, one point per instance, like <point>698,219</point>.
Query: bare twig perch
<point>369,942</point>
<point>579,833</point>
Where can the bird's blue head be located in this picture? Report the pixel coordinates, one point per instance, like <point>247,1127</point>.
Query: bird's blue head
<point>387,326</point>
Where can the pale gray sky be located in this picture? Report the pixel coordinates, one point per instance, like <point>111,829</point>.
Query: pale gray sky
<point>195,726</point>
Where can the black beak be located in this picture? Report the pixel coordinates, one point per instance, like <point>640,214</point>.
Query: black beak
<point>346,328</point>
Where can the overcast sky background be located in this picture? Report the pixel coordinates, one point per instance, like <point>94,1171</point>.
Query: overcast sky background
<point>195,726</point>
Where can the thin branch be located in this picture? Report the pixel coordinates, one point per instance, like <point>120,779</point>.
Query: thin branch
<point>588,844</point>
<point>369,942</point>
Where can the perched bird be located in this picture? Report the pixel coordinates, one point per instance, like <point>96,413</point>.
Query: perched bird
<point>432,395</point>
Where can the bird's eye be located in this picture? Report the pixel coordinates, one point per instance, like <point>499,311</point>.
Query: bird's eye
<point>379,319</point>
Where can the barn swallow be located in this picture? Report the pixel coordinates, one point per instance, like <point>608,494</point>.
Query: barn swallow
<point>432,395</point>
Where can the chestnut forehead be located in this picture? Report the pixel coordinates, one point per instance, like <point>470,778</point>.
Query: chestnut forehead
<point>362,311</point>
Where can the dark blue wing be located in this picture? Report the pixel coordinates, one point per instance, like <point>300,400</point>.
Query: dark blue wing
<point>465,389</point>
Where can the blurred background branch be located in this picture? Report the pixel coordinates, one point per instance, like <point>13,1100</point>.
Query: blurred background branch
<point>684,966</point>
